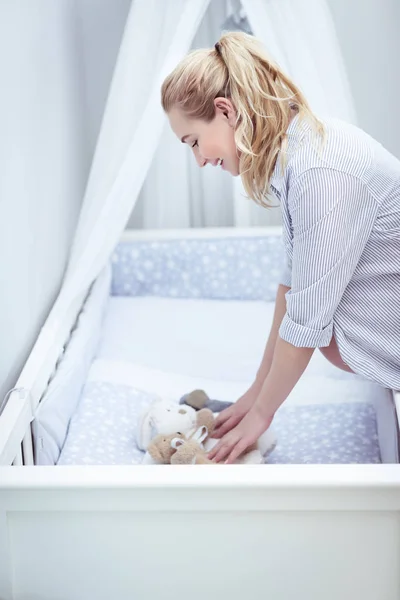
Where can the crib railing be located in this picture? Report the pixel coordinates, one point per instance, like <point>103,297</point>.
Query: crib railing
<point>24,456</point>
<point>16,443</point>
<point>396,398</point>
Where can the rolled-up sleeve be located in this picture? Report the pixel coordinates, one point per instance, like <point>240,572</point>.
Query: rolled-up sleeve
<point>332,216</point>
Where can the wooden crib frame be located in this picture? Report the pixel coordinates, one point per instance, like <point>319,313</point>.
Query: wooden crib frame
<point>67,533</point>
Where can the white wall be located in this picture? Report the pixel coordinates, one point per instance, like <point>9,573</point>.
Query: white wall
<point>56,62</point>
<point>368,32</point>
<point>101,25</point>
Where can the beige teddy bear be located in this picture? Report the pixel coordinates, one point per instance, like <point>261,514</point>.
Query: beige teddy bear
<point>177,449</point>
<point>161,449</point>
<point>166,417</point>
<point>190,451</point>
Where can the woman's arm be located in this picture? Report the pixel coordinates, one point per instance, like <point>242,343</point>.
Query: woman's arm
<point>279,313</point>
<point>230,417</point>
<point>288,364</point>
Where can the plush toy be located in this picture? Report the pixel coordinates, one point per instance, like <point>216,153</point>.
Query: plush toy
<point>166,418</point>
<point>177,449</point>
<point>190,451</point>
<point>198,399</point>
<point>161,449</point>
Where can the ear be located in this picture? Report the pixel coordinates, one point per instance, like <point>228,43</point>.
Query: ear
<point>145,430</point>
<point>225,108</point>
<point>200,435</point>
<point>176,442</point>
<point>206,417</point>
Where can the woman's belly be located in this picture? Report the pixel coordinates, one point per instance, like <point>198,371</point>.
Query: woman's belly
<point>331,353</point>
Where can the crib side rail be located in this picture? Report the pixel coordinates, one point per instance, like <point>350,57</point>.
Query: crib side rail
<point>16,445</point>
<point>280,531</point>
<point>396,397</point>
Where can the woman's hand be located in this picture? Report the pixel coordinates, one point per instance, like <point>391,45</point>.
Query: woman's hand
<point>246,433</point>
<point>230,417</point>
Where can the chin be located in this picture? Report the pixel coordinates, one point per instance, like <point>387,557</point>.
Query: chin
<point>234,171</point>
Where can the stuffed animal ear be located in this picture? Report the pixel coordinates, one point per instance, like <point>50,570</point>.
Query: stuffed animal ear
<point>145,427</point>
<point>200,435</point>
<point>176,442</point>
<point>206,418</point>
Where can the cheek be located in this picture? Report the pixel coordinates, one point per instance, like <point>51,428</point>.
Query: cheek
<point>209,146</point>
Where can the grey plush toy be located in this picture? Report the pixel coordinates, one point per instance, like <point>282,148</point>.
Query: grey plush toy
<point>198,399</point>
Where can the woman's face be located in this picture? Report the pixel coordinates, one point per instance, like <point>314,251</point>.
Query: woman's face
<point>211,142</point>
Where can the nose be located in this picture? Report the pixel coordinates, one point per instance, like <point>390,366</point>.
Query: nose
<point>202,162</point>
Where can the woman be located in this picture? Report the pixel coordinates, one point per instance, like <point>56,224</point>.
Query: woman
<point>339,192</point>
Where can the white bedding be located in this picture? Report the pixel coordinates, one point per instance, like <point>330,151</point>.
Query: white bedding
<point>167,347</point>
<point>211,339</point>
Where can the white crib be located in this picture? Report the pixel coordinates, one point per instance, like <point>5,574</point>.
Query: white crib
<point>93,532</point>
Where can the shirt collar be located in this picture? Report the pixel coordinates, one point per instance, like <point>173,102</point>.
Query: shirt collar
<point>296,131</point>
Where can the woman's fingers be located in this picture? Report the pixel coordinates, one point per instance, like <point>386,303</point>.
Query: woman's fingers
<point>219,452</point>
<point>219,432</point>
<point>223,416</point>
<point>216,452</point>
<point>240,447</point>
<point>224,446</point>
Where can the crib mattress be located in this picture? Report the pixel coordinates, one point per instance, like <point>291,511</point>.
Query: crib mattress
<point>154,346</point>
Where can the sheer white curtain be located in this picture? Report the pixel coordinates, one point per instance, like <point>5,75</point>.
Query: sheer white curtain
<point>157,35</point>
<point>131,128</point>
<point>176,192</point>
<point>301,37</point>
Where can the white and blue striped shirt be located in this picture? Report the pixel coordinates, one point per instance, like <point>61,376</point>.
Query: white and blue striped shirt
<point>340,207</point>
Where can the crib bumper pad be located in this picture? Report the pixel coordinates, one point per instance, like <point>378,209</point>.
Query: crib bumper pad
<point>225,269</point>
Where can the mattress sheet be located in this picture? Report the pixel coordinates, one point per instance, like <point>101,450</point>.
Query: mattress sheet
<point>102,431</point>
<point>212,339</point>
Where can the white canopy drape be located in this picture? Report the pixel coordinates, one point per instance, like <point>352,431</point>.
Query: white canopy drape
<point>130,132</point>
<point>131,129</point>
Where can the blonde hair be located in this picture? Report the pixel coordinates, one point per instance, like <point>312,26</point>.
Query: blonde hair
<point>263,96</point>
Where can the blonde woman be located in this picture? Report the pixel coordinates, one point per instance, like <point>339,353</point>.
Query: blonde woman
<point>339,192</point>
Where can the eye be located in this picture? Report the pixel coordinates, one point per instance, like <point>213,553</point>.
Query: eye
<point>195,144</point>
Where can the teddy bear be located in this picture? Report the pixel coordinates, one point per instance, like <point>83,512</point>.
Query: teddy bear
<point>165,418</point>
<point>161,449</point>
<point>194,411</point>
<point>177,449</point>
<point>190,451</point>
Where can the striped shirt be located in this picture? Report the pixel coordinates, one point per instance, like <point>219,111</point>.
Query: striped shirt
<point>340,205</point>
